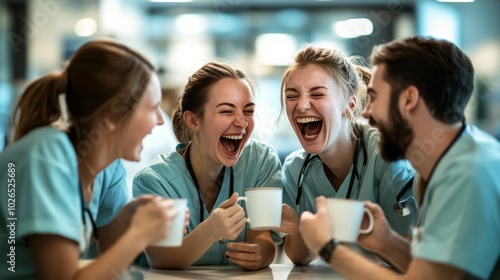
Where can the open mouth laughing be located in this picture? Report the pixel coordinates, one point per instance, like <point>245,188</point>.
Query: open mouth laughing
<point>309,126</point>
<point>232,143</point>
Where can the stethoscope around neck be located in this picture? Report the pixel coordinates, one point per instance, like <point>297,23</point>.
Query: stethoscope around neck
<point>86,209</point>
<point>360,145</point>
<point>401,208</point>
<point>195,181</point>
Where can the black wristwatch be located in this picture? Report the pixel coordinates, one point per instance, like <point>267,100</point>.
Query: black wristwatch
<point>327,250</point>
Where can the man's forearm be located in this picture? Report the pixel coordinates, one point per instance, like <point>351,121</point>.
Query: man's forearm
<point>397,252</point>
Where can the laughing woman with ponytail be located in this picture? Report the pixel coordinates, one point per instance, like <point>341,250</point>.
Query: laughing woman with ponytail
<point>65,177</point>
<point>215,162</point>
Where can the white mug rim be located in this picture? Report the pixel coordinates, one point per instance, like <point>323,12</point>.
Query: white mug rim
<point>263,188</point>
<point>343,200</point>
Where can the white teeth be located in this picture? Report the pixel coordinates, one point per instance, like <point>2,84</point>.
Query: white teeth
<point>310,136</point>
<point>308,120</point>
<point>233,137</point>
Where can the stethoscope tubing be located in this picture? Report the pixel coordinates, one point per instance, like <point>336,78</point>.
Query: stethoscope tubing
<point>360,144</point>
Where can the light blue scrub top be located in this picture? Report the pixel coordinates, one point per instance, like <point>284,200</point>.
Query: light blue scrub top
<point>381,182</point>
<point>167,176</point>
<point>47,196</point>
<point>460,215</point>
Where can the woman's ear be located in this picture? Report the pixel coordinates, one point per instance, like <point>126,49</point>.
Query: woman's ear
<point>191,121</point>
<point>352,102</point>
<point>351,105</point>
<point>108,124</point>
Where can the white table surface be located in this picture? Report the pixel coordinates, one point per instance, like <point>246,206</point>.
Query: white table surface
<point>316,270</point>
<point>274,271</point>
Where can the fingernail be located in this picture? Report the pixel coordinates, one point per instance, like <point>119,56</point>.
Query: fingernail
<point>227,257</point>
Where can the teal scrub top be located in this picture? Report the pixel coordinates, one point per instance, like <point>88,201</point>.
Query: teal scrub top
<point>381,182</point>
<point>460,215</point>
<point>44,193</point>
<point>167,176</point>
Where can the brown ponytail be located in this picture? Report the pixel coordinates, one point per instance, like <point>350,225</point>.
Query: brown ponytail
<point>181,130</point>
<point>38,105</point>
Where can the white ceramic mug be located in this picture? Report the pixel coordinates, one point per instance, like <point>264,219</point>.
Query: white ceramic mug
<point>176,234</point>
<point>263,207</point>
<point>346,217</point>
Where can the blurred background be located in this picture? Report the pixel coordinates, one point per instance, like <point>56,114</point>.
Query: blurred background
<point>259,36</point>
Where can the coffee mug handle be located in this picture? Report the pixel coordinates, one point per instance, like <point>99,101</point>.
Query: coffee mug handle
<point>245,199</point>
<point>370,227</point>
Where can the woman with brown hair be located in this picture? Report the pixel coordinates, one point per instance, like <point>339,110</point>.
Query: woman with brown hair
<point>66,184</point>
<point>215,163</point>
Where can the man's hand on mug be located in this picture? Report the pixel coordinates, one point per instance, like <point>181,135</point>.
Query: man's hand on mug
<point>374,241</point>
<point>315,228</point>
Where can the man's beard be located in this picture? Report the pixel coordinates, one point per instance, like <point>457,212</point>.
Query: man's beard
<point>393,146</point>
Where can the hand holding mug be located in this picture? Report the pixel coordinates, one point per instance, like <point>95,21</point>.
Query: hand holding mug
<point>153,219</point>
<point>174,239</point>
<point>289,220</point>
<point>121,222</point>
<point>381,229</point>
<point>228,220</point>
<point>124,216</point>
<point>315,228</point>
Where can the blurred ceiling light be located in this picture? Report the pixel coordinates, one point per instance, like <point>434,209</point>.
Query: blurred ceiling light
<point>171,1</point>
<point>439,21</point>
<point>486,58</point>
<point>275,49</point>
<point>292,18</point>
<point>457,1</point>
<point>187,52</point>
<point>353,28</point>
<point>85,27</point>
<point>190,24</point>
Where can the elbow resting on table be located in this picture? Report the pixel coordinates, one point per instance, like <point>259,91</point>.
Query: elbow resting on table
<point>169,266</point>
<point>164,262</point>
<point>300,260</point>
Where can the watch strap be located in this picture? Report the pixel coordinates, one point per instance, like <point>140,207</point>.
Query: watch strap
<point>326,251</point>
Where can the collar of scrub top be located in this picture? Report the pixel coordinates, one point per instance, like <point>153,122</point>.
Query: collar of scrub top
<point>360,145</point>
<point>195,181</point>
<point>422,204</point>
<point>86,209</point>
